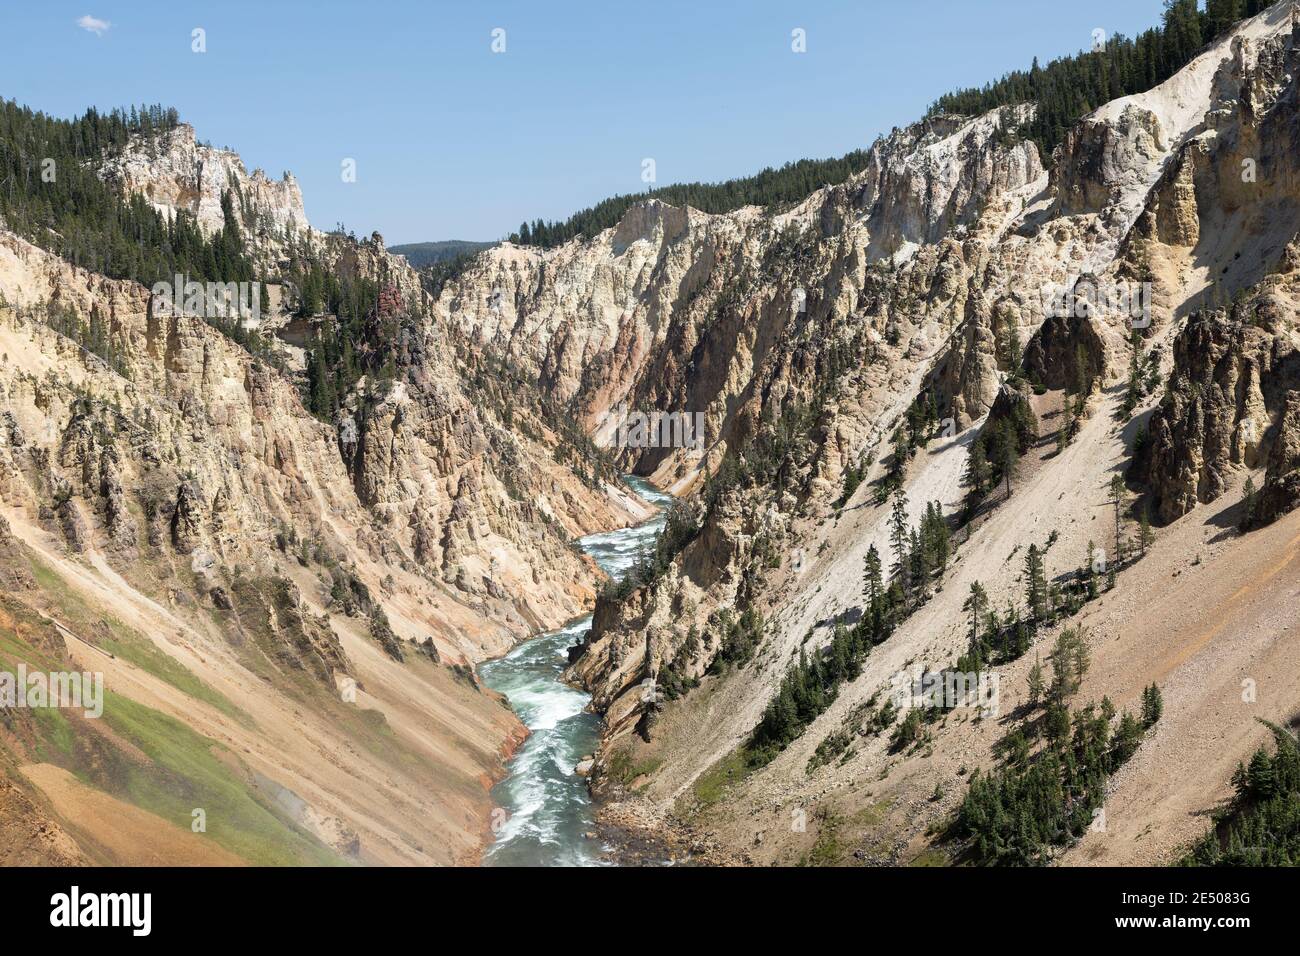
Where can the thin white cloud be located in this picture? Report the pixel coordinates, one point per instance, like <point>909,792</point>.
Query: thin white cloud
<point>93,24</point>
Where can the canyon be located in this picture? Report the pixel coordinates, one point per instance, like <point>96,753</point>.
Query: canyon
<point>901,286</point>
<point>300,617</point>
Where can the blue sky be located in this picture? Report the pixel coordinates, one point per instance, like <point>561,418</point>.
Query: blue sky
<point>452,140</point>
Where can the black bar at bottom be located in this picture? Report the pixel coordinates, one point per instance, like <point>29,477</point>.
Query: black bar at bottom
<point>579,907</point>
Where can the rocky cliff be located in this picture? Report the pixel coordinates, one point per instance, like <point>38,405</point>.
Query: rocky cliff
<point>805,335</point>
<point>174,171</point>
<point>199,535</point>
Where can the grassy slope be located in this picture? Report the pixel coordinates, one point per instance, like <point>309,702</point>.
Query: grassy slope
<point>184,769</point>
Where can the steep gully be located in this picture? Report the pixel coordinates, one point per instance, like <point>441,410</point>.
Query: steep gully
<point>548,811</point>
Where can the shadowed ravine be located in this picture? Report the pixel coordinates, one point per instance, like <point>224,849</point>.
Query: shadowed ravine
<point>547,805</point>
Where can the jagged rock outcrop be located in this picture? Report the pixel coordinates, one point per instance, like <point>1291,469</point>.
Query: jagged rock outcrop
<point>936,178</point>
<point>75,528</point>
<point>189,516</point>
<point>273,618</point>
<point>173,171</point>
<point>1281,491</point>
<point>1106,158</point>
<point>857,291</point>
<point>215,450</point>
<point>1225,407</point>
<point>1067,352</point>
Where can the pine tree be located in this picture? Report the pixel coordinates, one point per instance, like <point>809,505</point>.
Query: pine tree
<point>1024,423</point>
<point>939,536</point>
<point>312,293</point>
<point>1035,585</point>
<point>1082,657</point>
<point>1083,380</point>
<point>1069,424</point>
<point>1014,352</point>
<point>977,469</point>
<point>871,576</point>
<point>1152,706</point>
<point>1007,345</point>
<point>1220,15</point>
<point>1008,460</point>
<point>919,565</point>
<point>1261,779</point>
<point>899,534</point>
<point>1117,493</point>
<point>977,603</point>
<point>1250,504</point>
<point>1146,537</point>
<point>1128,735</point>
<point>1089,567</point>
<point>1069,661</point>
<point>1182,32</point>
<point>1036,683</point>
<point>320,387</point>
<point>1133,392</point>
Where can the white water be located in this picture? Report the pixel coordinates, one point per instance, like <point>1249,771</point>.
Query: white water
<point>548,809</point>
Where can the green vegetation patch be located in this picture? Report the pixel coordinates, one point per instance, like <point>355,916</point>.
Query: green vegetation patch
<point>146,655</point>
<point>186,774</point>
<point>712,785</point>
<point>1261,824</point>
<point>623,769</point>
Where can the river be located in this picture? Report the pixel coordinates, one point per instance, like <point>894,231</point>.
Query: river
<point>548,809</point>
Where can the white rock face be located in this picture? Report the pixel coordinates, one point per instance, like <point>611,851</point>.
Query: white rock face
<point>928,180</point>
<point>174,172</point>
<point>679,310</point>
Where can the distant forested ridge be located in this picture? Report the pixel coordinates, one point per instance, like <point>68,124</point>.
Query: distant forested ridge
<point>1069,88</point>
<point>422,254</point>
<point>1064,91</point>
<point>791,183</point>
